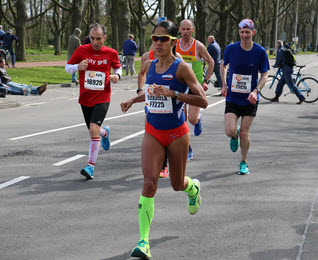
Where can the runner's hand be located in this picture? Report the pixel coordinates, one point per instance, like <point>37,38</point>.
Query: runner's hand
<point>252,97</point>
<point>125,106</point>
<point>205,86</point>
<point>162,91</point>
<point>114,78</point>
<point>83,65</point>
<point>224,91</point>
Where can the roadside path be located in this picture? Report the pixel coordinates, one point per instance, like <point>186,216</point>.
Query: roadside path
<point>45,63</point>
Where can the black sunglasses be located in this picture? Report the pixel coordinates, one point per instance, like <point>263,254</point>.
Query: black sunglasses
<point>162,38</point>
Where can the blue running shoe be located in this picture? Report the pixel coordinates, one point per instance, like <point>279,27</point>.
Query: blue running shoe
<point>88,172</point>
<point>190,154</point>
<point>142,250</point>
<point>234,143</point>
<point>198,126</point>
<point>105,140</point>
<point>243,168</point>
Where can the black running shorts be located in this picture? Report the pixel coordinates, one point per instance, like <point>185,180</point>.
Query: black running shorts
<point>248,110</point>
<point>95,114</point>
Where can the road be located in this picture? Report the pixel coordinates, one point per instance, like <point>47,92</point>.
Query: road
<point>49,211</point>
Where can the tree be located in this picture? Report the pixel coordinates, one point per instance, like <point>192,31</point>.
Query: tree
<point>224,10</point>
<point>140,10</point>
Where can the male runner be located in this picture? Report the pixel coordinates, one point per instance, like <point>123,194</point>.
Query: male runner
<point>192,51</point>
<point>94,62</point>
<point>246,59</point>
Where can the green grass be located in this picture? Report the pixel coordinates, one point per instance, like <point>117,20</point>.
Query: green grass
<point>52,75</point>
<point>39,75</point>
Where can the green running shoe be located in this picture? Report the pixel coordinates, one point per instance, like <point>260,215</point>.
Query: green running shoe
<point>142,250</point>
<point>234,143</point>
<point>243,168</point>
<point>195,202</point>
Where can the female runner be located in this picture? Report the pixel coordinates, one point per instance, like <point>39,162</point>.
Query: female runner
<point>166,90</point>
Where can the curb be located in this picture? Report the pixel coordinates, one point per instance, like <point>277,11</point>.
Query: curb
<point>11,104</point>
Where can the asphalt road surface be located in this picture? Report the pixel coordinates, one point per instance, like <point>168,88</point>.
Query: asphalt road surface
<point>49,211</point>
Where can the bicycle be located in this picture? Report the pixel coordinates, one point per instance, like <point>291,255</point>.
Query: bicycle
<point>4,53</point>
<point>307,85</point>
<point>122,60</point>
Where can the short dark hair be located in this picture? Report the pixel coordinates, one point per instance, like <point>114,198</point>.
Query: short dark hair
<point>96,26</point>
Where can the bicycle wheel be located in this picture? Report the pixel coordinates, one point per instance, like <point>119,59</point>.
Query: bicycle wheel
<point>268,91</point>
<point>308,86</point>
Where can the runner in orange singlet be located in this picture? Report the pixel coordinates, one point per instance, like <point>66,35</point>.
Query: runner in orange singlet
<point>192,51</point>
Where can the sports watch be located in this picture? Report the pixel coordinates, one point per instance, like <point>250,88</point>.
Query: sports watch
<point>176,93</point>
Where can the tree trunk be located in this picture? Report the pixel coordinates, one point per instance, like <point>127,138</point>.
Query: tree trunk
<point>123,22</point>
<point>201,15</point>
<point>170,10</point>
<point>114,16</point>
<point>20,30</point>
<point>57,42</point>
<point>76,14</point>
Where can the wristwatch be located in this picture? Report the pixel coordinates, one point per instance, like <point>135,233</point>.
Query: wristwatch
<point>176,93</point>
<point>138,90</point>
<point>258,90</point>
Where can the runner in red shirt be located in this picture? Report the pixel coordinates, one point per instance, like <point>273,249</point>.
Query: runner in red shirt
<point>94,62</point>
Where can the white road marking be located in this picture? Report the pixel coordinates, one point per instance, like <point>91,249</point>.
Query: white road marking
<point>76,157</point>
<point>8,183</point>
<point>35,104</point>
<point>304,236</point>
<point>72,126</point>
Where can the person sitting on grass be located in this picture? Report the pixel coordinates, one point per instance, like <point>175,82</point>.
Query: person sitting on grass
<point>7,86</point>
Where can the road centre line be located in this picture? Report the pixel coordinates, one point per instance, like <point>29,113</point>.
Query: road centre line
<point>8,183</point>
<point>72,126</point>
<point>122,139</point>
<point>76,157</point>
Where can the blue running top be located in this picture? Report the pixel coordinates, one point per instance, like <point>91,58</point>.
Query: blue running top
<point>164,113</point>
<point>243,71</point>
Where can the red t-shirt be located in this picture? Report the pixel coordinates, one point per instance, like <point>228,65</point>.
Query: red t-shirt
<point>98,61</point>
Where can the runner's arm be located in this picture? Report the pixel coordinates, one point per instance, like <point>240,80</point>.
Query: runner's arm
<point>223,71</point>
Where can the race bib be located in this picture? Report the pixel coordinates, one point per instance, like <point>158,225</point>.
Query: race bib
<point>241,83</point>
<point>157,105</point>
<point>94,80</point>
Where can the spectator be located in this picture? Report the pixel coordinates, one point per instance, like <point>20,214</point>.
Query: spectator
<point>86,40</point>
<point>287,77</point>
<point>73,42</point>
<point>1,33</point>
<point>7,86</point>
<point>7,39</point>
<point>215,51</point>
<point>129,49</point>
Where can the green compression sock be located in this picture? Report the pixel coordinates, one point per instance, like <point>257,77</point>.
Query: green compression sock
<point>191,189</point>
<point>146,208</point>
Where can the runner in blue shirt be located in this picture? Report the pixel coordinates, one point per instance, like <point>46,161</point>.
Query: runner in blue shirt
<point>242,88</point>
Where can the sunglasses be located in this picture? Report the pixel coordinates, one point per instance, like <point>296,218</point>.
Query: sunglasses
<point>162,38</point>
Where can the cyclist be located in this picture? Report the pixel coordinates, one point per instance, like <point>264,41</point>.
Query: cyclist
<point>246,59</point>
<point>168,82</point>
<point>286,78</point>
<point>192,51</point>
